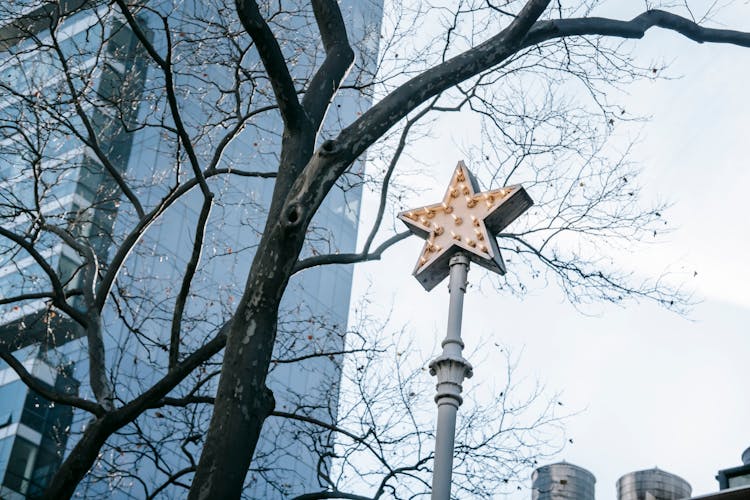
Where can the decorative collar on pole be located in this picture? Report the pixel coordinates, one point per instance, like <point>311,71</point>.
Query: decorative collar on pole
<point>465,221</point>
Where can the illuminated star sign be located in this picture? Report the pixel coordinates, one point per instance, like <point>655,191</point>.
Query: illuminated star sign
<point>465,221</point>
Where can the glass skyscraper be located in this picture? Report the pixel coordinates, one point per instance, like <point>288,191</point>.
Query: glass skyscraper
<point>70,183</point>
<point>46,176</point>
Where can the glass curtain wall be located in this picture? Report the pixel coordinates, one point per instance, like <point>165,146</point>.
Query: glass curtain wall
<point>213,62</point>
<point>49,177</point>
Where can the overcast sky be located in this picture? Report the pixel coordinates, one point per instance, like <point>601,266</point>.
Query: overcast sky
<point>654,388</point>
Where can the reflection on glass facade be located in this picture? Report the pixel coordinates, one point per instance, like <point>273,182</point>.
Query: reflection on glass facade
<point>313,316</point>
<point>33,430</point>
<point>49,172</point>
<point>45,167</point>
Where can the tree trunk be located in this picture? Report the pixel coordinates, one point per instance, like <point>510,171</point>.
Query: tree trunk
<point>243,401</point>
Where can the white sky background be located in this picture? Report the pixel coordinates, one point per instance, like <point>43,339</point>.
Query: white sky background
<point>654,388</point>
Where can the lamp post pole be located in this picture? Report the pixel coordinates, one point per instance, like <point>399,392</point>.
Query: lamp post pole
<point>459,229</point>
<point>450,368</point>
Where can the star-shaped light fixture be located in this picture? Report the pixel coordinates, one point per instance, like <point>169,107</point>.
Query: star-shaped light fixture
<point>465,221</point>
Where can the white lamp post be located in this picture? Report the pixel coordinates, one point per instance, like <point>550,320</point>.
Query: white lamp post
<point>458,230</point>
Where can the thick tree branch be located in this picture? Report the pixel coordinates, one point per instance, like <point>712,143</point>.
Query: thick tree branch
<point>406,98</point>
<point>187,279</point>
<point>339,58</point>
<point>273,60</point>
<point>84,454</point>
<point>38,295</point>
<point>350,258</point>
<point>39,387</point>
<point>84,250</point>
<point>176,375</point>
<point>635,28</point>
<point>334,157</point>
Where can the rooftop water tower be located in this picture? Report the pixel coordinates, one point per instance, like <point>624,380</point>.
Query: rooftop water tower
<point>562,481</point>
<point>652,484</point>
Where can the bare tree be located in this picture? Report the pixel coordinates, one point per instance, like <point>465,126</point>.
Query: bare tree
<point>376,445</point>
<point>384,449</point>
<point>239,414</point>
<point>216,72</point>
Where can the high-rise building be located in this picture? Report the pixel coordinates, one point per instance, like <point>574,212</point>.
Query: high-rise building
<point>74,184</point>
<point>46,174</point>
